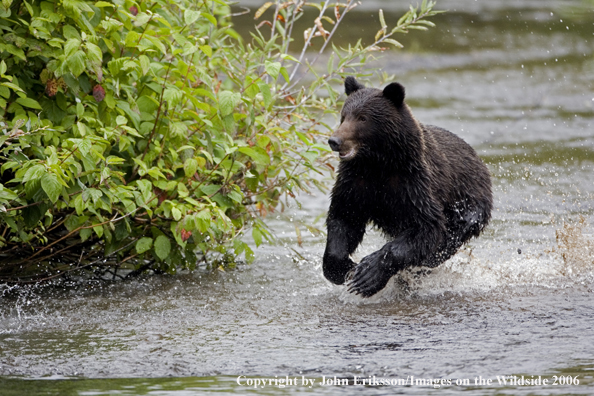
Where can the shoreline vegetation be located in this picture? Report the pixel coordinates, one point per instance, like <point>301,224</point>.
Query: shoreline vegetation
<point>150,136</point>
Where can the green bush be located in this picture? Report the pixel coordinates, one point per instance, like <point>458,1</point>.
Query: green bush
<point>149,135</point>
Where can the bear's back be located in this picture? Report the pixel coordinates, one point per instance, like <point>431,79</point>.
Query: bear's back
<point>454,166</point>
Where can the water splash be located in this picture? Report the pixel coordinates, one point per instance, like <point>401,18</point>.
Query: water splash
<point>569,263</point>
<point>576,249</point>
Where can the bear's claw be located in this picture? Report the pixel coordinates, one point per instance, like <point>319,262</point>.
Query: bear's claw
<point>370,276</point>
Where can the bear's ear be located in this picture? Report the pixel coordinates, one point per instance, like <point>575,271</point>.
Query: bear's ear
<point>351,85</point>
<point>394,92</point>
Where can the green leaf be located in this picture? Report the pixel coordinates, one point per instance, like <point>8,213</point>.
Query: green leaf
<point>236,196</point>
<point>131,131</point>
<point>51,186</point>
<point>145,188</point>
<point>14,50</point>
<point>80,110</point>
<point>73,222</point>
<point>207,50</point>
<point>82,128</point>
<point>259,156</point>
<point>402,19</point>
<point>266,93</point>
<point>141,19</point>
<point>250,88</point>
<point>6,193</point>
<point>204,92</point>
<point>382,20</point>
<point>155,173</point>
<point>71,46</point>
<point>210,189</point>
<point>249,255</point>
<point>76,63</point>
<point>178,129</point>
<point>156,41</point>
<point>102,4</point>
<point>257,236</point>
<point>12,86</point>
<point>79,204</point>
<point>147,104</point>
<point>85,233</point>
<point>272,68</point>
<point>263,141</point>
<point>132,39</point>
<point>162,247</point>
<point>84,146</point>
<point>92,193</point>
<point>211,18</point>
<point>34,172</point>
<point>132,115</point>
<point>289,57</point>
<point>173,96</point>
<point>190,167</point>
<point>176,213</point>
<point>70,32</point>
<point>182,190</point>
<point>227,102</point>
<point>191,16</point>
<point>98,230</point>
<point>94,52</point>
<point>145,64</point>
<point>28,102</point>
<point>113,160</point>
<point>285,74</point>
<point>428,23</point>
<point>394,43</point>
<point>144,244</point>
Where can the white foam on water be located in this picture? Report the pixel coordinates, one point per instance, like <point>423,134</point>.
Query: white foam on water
<point>568,264</point>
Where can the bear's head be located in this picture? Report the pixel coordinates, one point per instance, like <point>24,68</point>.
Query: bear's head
<point>372,121</point>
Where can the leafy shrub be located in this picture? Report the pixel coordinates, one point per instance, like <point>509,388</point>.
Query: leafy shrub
<point>149,135</point>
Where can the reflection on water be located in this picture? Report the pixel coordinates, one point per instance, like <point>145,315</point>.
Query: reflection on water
<point>514,79</point>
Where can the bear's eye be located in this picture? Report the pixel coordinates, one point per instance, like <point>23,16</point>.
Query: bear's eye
<point>362,118</point>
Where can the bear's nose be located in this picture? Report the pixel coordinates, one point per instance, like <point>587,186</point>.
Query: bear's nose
<point>335,143</point>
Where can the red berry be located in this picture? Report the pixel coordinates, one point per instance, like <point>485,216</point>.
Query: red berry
<point>134,10</point>
<point>98,93</point>
<point>185,235</point>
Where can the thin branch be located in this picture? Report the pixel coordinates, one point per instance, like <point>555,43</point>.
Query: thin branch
<point>296,68</point>
<point>273,30</point>
<point>36,280</point>
<point>346,11</point>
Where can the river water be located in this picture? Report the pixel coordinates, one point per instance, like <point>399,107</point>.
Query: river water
<point>513,78</point>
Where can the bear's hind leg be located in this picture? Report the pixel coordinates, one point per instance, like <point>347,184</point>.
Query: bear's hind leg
<point>459,231</point>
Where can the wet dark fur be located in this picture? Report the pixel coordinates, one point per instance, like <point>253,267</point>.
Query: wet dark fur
<point>423,186</point>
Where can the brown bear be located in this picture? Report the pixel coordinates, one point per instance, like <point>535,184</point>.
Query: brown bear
<point>423,186</point>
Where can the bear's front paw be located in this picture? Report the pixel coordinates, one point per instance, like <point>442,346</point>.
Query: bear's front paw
<point>370,275</point>
<point>336,270</point>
